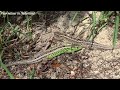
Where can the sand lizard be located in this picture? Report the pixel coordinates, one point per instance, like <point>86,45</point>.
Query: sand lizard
<point>56,51</point>
<point>73,41</point>
<point>83,42</point>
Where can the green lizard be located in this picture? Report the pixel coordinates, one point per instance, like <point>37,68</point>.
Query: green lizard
<point>64,50</point>
<point>50,54</point>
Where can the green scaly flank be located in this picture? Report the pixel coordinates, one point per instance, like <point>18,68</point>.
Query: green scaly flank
<point>65,50</point>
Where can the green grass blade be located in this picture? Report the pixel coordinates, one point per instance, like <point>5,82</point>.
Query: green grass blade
<point>94,19</point>
<point>115,31</point>
<point>8,72</point>
<point>100,18</point>
<point>16,29</point>
<point>93,26</point>
<point>99,29</point>
<point>27,22</point>
<point>28,19</point>
<point>109,13</point>
<point>10,25</point>
<point>5,68</point>
<point>32,74</point>
<point>74,16</point>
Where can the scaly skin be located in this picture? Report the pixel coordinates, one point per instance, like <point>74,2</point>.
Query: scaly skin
<point>85,44</point>
<point>49,54</point>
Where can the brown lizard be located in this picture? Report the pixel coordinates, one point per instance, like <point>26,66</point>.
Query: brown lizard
<point>83,42</point>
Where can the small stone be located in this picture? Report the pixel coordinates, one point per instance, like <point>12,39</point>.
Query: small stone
<point>72,73</point>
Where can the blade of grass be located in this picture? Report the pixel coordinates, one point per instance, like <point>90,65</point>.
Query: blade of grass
<point>99,29</point>
<point>28,19</point>
<point>5,68</point>
<point>101,22</point>
<point>93,26</point>
<point>106,15</point>
<point>74,16</point>
<point>109,13</point>
<point>100,18</point>
<point>15,30</point>
<point>94,19</point>
<point>102,27</point>
<point>10,25</point>
<point>115,33</point>
<point>31,76</point>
